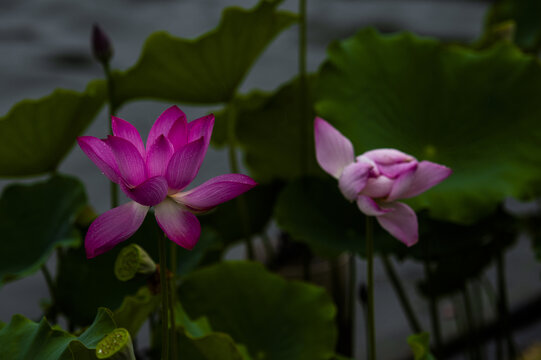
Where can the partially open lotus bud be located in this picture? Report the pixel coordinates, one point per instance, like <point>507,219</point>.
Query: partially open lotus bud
<point>117,345</point>
<point>133,260</point>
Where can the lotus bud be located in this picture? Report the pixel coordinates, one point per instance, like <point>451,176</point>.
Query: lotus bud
<point>101,45</point>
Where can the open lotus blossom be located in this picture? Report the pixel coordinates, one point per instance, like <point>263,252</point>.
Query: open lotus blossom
<point>377,179</point>
<point>156,175</point>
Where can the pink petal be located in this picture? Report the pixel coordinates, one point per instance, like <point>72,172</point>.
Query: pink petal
<point>388,156</point>
<point>353,179</point>
<point>123,129</point>
<point>164,123</point>
<point>215,191</point>
<point>370,207</point>
<point>178,135</point>
<point>113,227</point>
<point>201,127</point>
<point>179,225</point>
<point>101,154</point>
<point>184,164</point>
<point>129,161</point>
<point>428,174</point>
<point>400,222</point>
<point>148,193</point>
<point>333,150</point>
<point>402,183</point>
<point>158,156</point>
<point>378,187</point>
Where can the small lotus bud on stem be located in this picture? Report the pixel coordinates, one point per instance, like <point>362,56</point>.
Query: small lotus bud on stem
<point>133,260</point>
<point>101,45</point>
<point>117,345</point>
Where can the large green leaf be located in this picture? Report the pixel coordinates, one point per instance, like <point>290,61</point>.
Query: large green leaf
<point>475,111</point>
<point>208,69</point>
<point>35,135</point>
<point>525,15</point>
<point>340,224</point>
<point>272,317</point>
<point>34,220</point>
<point>270,131</point>
<point>23,339</point>
<point>197,341</point>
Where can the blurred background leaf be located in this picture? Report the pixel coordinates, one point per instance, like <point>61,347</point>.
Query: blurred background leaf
<point>34,220</point>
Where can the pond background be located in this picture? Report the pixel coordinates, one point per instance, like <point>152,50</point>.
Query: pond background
<point>45,44</point>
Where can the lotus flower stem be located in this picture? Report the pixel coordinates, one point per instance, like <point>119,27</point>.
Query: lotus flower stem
<point>164,288</point>
<point>371,328</point>
<point>472,338</point>
<point>433,305</point>
<point>504,305</point>
<point>402,296</point>
<point>172,330</point>
<point>352,301</point>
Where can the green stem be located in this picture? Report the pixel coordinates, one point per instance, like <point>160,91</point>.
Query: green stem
<point>472,338</point>
<point>434,313</point>
<point>303,89</point>
<point>504,306</point>
<point>370,282</point>
<point>401,293</point>
<point>491,294</point>
<point>269,250</point>
<point>242,208</point>
<point>112,112</point>
<point>164,287</point>
<point>351,301</point>
<point>172,290</point>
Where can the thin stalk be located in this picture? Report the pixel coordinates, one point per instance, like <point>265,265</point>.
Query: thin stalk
<point>434,315</point>
<point>269,250</point>
<point>351,301</point>
<point>303,89</point>
<point>504,306</point>
<point>370,287</point>
<point>242,207</point>
<point>52,291</point>
<point>433,302</point>
<point>164,288</point>
<point>479,314</point>
<point>401,293</point>
<point>472,338</point>
<point>112,112</point>
<point>172,290</point>
<point>491,294</point>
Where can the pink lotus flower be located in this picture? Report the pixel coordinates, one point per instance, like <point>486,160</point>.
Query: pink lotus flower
<point>377,178</point>
<point>156,176</point>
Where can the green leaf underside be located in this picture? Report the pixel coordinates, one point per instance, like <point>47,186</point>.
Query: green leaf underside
<point>208,69</point>
<point>35,135</point>
<point>272,317</point>
<point>34,220</point>
<point>525,14</point>
<point>23,339</point>
<point>270,134</point>
<point>470,110</point>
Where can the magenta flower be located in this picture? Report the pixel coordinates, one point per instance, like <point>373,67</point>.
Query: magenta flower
<point>377,178</point>
<point>156,176</point>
